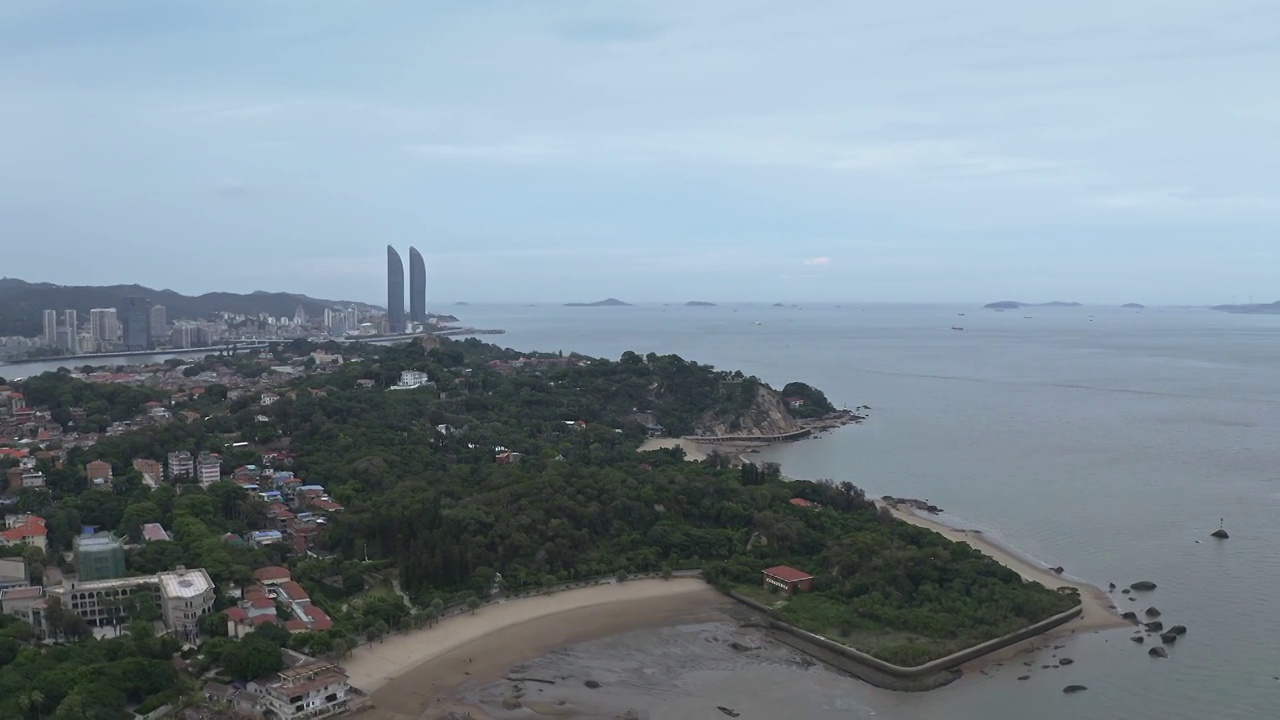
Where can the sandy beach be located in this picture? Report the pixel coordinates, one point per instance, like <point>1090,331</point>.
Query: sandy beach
<point>417,674</point>
<point>1099,608</point>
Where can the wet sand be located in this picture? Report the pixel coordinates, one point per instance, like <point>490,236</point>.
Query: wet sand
<point>692,451</point>
<point>420,674</point>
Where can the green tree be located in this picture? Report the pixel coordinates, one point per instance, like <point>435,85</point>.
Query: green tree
<point>252,657</point>
<point>473,604</point>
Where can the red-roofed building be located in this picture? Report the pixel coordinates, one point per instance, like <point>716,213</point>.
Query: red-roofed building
<point>272,575</point>
<point>99,474</point>
<point>787,579</point>
<point>24,530</point>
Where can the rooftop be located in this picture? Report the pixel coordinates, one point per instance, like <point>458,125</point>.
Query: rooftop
<point>787,574</point>
<point>29,592</point>
<point>184,583</point>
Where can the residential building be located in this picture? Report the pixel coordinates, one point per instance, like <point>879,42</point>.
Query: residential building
<point>181,465</point>
<point>268,398</point>
<point>24,530</point>
<point>73,332</point>
<point>104,328</point>
<point>98,474</point>
<point>258,606</point>
<point>154,532</point>
<point>787,579</point>
<point>137,323</point>
<point>151,471</point>
<point>186,596</point>
<point>26,602</point>
<point>99,557</point>
<point>158,322</point>
<point>22,478</point>
<point>13,572</point>
<point>51,328</point>
<point>208,468</point>
<point>308,690</point>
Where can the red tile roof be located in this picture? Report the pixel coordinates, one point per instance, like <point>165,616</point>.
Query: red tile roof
<point>236,614</point>
<point>33,527</point>
<point>787,574</point>
<point>294,591</point>
<point>271,573</point>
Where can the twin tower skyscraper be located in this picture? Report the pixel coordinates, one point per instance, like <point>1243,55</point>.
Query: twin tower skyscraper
<point>395,289</point>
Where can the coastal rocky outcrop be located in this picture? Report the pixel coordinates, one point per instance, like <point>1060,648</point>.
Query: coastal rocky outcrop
<point>912,503</point>
<point>1158,652</point>
<point>1143,585</point>
<point>767,416</point>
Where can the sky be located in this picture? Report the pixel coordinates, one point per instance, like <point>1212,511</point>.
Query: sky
<point>657,150</point>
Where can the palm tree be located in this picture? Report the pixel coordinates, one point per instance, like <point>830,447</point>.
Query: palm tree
<point>437,605</point>
<point>473,603</point>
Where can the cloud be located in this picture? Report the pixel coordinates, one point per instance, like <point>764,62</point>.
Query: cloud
<point>818,261</point>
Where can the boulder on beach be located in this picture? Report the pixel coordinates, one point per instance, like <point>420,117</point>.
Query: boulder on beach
<point>1145,585</point>
<point>1158,652</point>
<point>1138,639</point>
<point>744,645</point>
<point>1074,689</point>
<point>1111,587</point>
<point>1152,612</point>
<point>1065,661</point>
<point>1059,570</point>
<point>592,684</point>
<point>728,711</point>
<point>1126,591</point>
<point>1168,638</point>
<point>1131,616</point>
<point>1154,626</point>
<point>1024,677</point>
<point>1178,629</point>
<point>511,703</point>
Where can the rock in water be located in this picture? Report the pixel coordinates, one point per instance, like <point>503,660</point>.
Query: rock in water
<point>1220,534</point>
<point>1153,612</point>
<point>727,711</point>
<point>1138,639</point>
<point>1155,626</point>
<point>592,684</point>
<point>1065,661</point>
<point>1130,616</point>
<point>1178,629</point>
<point>1145,585</point>
<point>1074,689</point>
<point>1158,652</point>
<point>1168,638</point>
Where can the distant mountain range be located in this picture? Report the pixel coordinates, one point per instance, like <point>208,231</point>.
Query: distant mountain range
<point>1251,308</point>
<point>22,303</point>
<point>1014,305</point>
<point>608,302</point>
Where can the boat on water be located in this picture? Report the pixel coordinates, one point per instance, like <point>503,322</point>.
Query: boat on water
<point>956,327</point>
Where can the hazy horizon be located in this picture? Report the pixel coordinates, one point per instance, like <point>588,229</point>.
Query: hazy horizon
<point>1103,152</point>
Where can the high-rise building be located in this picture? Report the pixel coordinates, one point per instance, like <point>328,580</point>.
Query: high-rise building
<point>395,291</point>
<point>51,327</point>
<point>353,319</point>
<point>104,328</point>
<point>159,322</point>
<point>137,323</point>
<point>73,332</point>
<point>417,287</point>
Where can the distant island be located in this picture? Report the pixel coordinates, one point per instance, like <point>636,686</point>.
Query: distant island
<point>1250,308</point>
<point>699,303</point>
<point>461,303</point>
<point>1134,306</point>
<point>779,305</point>
<point>608,302</point>
<point>1014,305</point>
<point>22,303</point>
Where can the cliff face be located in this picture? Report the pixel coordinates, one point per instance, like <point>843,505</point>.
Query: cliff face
<point>767,416</point>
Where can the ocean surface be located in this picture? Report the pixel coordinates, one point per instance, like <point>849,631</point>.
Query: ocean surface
<point>1108,441</point>
<point>1104,440</point>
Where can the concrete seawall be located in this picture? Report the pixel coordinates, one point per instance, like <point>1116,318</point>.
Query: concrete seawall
<point>921,677</point>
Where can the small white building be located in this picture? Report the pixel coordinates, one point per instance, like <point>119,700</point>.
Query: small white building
<point>410,379</point>
<point>311,689</point>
